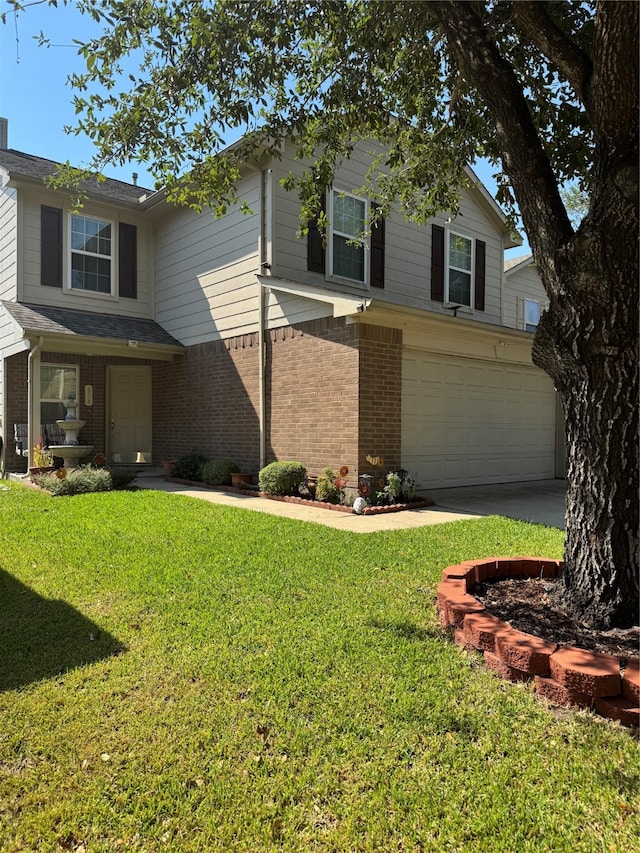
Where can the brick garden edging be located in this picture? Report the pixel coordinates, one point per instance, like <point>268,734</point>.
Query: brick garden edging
<point>291,499</point>
<point>565,675</point>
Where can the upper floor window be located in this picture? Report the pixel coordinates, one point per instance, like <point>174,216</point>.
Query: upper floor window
<point>348,218</point>
<point>88,254</point>
<point>531,315</point>
<point>459,270</point>
<point>91,254</point>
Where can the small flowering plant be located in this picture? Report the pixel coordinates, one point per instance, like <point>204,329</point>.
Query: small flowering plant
<point>99,461</point>
<point>331,485</point>
<point>42,458</point>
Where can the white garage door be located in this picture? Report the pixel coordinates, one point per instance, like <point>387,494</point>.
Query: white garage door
<point>467,422</point>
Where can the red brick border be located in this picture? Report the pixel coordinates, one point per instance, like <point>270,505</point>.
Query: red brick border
<point>565,675</point>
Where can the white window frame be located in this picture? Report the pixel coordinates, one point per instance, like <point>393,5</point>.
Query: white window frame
<point>111,258</point>
<point>531,327</point>
<point>450,232</point>
<point>338,193</point>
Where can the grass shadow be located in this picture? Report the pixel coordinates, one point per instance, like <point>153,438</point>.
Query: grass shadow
<point>43,638</point>
<point>407,630</point>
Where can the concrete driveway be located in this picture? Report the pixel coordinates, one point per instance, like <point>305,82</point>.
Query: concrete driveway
<point>541,501</point>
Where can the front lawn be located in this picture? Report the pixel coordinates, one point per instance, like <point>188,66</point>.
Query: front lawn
<point>177,676</point>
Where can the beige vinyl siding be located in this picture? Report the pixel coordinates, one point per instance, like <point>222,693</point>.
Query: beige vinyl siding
<point>407,245</point>
<point>284,309</point>
<point>8,244</point>
<point>206,286</point>
<point>521,284</point>
<point>31,291</point>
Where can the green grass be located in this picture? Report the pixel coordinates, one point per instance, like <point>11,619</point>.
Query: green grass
<point>185,677</point>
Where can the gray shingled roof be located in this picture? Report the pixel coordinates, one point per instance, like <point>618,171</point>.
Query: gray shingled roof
<point>30,166</point>
<point>67,321</point>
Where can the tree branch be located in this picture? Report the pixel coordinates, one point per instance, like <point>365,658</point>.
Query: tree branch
<point>524,159</point>
<point>534,20</point>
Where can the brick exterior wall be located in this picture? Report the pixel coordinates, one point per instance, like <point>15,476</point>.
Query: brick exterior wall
<point>208,401</point>
<point>16,399</point>
<point>380,410</point>
<point>312,395</point>
<point>333,396</point>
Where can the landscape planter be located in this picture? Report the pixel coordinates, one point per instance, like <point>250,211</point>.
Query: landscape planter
<point>238,480</point>
<point>167,467</point>
<point>42,469</point>
<point>563,674</point>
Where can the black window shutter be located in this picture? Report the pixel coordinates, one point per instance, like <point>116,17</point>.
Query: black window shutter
<point>377,252</point>
<point>127,261</point>
<point>316,261</point>
<point>481,247</point>
<point>50,246</point>
<point>437,263</point>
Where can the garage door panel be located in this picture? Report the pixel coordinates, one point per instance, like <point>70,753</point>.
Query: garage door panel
<point>465,421</point>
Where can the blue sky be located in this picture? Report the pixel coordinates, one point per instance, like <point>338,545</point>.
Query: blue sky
<point>37,100</point>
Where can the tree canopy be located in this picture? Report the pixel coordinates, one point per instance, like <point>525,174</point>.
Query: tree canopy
<point>548,91</point>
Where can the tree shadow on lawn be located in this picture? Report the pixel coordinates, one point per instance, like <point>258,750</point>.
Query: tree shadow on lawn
<point>42,638</point>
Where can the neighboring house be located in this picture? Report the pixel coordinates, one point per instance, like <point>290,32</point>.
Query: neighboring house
<point>179,331</point>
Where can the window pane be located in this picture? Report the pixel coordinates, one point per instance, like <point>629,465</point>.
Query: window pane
<point>348,261</point>
<point>348,215</point>
<point>57,382</point>
<point>90,273</point>
<point>92,269</point>
<point>531,313</point>
<point>459,252</point>
<point>459,287</point>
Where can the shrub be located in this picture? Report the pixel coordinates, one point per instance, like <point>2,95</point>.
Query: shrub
<point>217,472</point>
<point>122,477</point>
<point>282,478</point>
<point>327,491</point>
<point>84,480</point>
<point>189,466</point>
<point>77,482</point>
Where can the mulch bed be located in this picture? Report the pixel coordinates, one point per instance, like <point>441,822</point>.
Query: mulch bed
<point>525,604</point>
<point>253,491</point>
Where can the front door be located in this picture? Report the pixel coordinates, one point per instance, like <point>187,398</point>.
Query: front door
<point>129,408</point>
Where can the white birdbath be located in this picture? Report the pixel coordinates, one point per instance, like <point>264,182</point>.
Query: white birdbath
<point>71,451</point>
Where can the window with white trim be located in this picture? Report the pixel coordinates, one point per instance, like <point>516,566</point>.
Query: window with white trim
<point>348,258</point>
<point>531,315</point>
<point>91,254</point>
<point>58,382</point>
<point>459,276</point>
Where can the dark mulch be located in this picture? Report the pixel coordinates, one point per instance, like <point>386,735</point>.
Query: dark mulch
<point>526,605</point>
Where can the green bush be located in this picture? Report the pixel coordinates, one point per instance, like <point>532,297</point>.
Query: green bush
<point>122,477</point>
<point>85,479</point>
<point>327,491</point>
<point>282,478</point>
<point>217,472</point>
<point>189,466</point>
<point>77,482</point>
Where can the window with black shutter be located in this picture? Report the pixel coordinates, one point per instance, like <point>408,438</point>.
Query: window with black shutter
<point>50,246</point>
<point>127,261</point>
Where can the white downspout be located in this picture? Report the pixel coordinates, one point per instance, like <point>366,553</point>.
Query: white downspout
<point>33,352</point>
<point>265,255</point>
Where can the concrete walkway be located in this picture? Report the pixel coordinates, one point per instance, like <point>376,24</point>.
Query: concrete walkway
<point>541,502</point>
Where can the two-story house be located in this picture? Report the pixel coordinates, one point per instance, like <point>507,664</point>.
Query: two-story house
<point>178,331</point>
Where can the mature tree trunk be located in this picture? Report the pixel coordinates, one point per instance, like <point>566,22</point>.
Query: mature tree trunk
<point>590,350</point>
<point>588,339</point>
<point>588,343</point>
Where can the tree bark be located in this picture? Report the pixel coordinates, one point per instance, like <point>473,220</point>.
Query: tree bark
<point>588,339</point>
